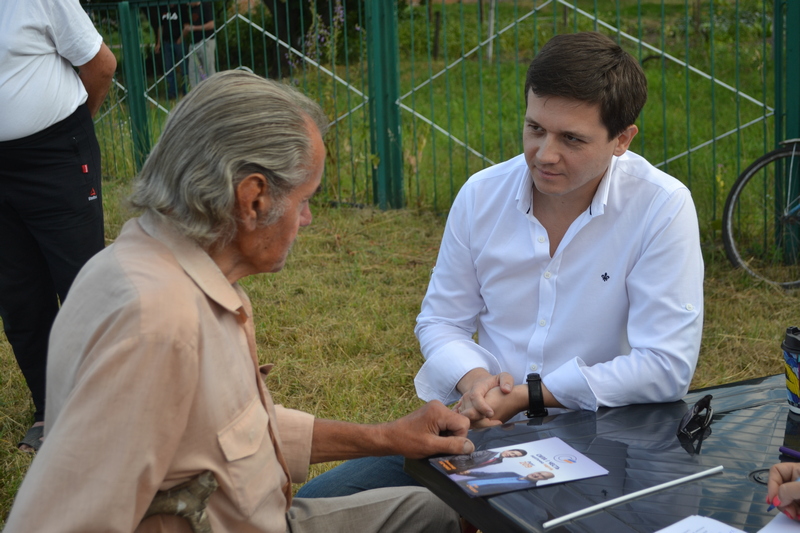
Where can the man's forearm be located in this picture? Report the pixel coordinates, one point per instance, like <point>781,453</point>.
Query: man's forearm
<point>96,76</point>
<point>431,429</point>
<point>335,441</point>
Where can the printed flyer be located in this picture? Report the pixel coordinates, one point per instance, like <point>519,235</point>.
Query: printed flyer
<point>517,467</point>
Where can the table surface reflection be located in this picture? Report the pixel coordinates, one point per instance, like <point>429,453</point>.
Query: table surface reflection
<point>638,446</point>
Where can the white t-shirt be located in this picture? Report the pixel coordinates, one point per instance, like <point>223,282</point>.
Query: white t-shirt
<point>40,41</point>
<point>613,318</point>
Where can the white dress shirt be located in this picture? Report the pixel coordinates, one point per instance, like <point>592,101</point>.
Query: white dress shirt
<point>613,318</point>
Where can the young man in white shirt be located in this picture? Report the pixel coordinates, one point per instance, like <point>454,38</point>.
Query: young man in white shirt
<point>577,263</point>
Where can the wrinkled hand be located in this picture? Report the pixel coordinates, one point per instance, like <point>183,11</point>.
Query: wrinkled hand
<point>782,490</point>
<point>473,403</point>
<point>431,429</point>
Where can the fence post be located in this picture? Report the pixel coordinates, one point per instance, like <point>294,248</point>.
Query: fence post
<point>134,81</point>
<point>792,62</point>
<point>787,110</point>
<point>384,91</point>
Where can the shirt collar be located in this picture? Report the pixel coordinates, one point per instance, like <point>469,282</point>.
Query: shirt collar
<point>197,264</point>
<point>596,208</point>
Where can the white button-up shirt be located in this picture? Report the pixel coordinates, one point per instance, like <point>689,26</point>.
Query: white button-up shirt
<point>613,318</point>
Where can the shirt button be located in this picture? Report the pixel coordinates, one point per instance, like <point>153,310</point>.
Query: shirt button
<point>534,366</point>
<point>547,275</point>
<point>689,307</point>
<point>541,238</point>
<point>543,322</point>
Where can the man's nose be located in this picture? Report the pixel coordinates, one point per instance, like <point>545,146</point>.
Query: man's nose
<point>547,151</point>
<point>306,216</point>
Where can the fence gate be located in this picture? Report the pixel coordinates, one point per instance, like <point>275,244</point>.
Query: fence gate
<point>423,94</point>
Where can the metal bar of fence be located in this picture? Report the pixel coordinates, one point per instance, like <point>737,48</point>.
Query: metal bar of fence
<point>449,135</point>
<point>474,136</point>
<point>300,54</point>
<point>687,48</point>
<point>713,113</point>
<point>672,58</point>
<point>134,78</point>
<point>475,49</point>
<point>714,140</point>
<point>664,126</point>
<point>384,114</point>
<point>430,95</point>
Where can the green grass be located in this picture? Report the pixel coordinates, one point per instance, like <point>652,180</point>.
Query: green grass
<point>338,322</point>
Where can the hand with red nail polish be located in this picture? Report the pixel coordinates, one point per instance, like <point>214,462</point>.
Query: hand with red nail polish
<point>783,488</point>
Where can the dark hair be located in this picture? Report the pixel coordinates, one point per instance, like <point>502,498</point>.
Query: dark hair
<point>591,68</point>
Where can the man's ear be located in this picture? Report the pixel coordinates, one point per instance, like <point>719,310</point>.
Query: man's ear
<point>252,199</point>
<point>624,139</point>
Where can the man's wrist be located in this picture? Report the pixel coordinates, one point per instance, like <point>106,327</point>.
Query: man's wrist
<point>536,406</point>
<point>520,393</point>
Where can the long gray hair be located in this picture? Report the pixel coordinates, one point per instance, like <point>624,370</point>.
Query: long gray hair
<point>231,125</point>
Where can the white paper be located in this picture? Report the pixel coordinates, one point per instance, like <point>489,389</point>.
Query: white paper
<point>781,524</point>
<point>699,524</point>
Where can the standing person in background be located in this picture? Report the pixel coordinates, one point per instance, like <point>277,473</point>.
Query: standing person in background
<point>51,214</point>
<point>169,41</point>
<point>198,33</point>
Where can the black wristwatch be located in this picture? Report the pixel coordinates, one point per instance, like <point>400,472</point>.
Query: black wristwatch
<point>536,406</point>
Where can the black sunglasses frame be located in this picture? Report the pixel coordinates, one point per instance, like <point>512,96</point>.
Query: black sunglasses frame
<point>696,419</point>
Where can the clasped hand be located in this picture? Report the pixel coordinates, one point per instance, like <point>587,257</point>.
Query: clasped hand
<point>488,400</point>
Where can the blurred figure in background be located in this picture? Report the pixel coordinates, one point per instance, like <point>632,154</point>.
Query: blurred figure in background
<point>169,42</point>
<point>198,33</point>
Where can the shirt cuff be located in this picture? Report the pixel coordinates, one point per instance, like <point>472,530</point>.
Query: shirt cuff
<point>570,387</point>
<point>296,429</point>
<point>438,377</point>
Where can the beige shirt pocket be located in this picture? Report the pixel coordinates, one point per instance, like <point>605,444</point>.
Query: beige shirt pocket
<point>253,472</point>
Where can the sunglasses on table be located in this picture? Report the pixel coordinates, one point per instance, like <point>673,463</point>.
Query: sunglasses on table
<point>696,419</point>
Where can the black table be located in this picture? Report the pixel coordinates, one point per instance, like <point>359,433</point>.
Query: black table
<point>638,446</point>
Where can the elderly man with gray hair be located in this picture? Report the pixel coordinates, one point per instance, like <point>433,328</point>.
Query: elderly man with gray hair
<point>153,373</point>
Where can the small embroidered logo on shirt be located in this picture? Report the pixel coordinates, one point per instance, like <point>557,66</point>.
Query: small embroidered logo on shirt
<point>92,194</point>
<point>605,276</point>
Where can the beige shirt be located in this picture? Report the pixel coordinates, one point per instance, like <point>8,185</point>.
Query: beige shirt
<point>152,379</point>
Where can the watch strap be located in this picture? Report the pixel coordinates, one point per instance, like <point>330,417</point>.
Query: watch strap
<point>536,406</point>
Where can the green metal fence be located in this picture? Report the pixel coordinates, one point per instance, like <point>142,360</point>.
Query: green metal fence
<point>422,95</point>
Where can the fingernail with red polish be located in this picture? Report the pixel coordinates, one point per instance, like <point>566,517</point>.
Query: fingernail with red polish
<point>776,502</point>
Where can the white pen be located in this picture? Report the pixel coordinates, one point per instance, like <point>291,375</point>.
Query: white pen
<point>631,496</point>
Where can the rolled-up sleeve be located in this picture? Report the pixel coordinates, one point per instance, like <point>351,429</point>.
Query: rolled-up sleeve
<point>296,429</point>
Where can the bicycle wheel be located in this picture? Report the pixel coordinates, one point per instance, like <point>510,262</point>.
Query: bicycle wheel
<point>761,220</point>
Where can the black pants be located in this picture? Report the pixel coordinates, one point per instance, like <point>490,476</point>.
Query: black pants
<point>51,223</point>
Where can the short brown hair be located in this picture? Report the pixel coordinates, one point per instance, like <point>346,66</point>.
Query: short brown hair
<point>592,68</point>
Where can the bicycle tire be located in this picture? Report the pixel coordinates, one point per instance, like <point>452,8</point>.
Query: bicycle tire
<point>757,235</point>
